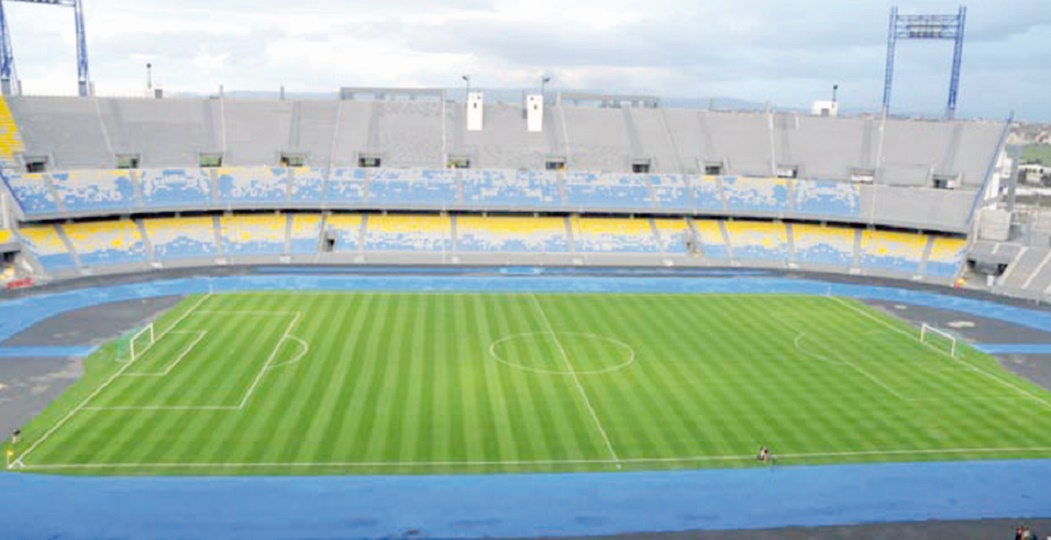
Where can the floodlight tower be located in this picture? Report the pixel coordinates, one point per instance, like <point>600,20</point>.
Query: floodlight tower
<point>7,58</point>
<point>926,27</point>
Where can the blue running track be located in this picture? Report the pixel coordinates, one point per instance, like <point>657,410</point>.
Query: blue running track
<point>43,506</point>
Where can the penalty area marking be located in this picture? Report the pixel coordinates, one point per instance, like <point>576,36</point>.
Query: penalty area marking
<point>103,386</point>
<point>255,382</point>
<point>683,459</point>
<point>972,367</point>
<point>802,337</point>
<point>630,358</point>
<point>200,336</point>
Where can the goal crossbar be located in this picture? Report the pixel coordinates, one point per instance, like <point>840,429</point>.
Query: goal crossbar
<point>926,330</point>
<point>135,352</point>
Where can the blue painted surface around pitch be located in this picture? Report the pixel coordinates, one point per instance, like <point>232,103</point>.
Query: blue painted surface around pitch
<point>515,505</point>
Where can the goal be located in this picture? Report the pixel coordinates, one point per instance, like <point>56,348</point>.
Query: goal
<point>141,342</point>
<point>938,339</point>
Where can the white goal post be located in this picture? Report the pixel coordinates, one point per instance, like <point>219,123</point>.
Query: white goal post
<point>141,341</point>
<point>927,330</point>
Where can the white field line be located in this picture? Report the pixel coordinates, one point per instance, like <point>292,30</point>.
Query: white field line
<point>248,394</point>
<point>302,353</point>
<point>200,336</point>
<point>1018,389</point>
<point>244,312</point>
<point>821,358</point>
<point>98,390</point>
<point>273,354</point>
<point>692,295</point>
<point>576,380</point>
<point>841,362</point>
<point>717,458</point>
<point>164,408</point>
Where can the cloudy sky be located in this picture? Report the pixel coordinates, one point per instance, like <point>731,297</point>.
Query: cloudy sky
<point>788,52</point>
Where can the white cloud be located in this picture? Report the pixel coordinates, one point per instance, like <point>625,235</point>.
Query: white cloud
<point>785,52</point>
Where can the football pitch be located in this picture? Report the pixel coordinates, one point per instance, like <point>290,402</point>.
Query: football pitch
<point>410,383</point>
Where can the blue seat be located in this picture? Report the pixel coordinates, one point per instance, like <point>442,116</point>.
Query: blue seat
<point>411,187</point>
<point>607,191</point>
<point>253,185</point>
<point>32,193</point>
<point>94,190</point>
<point>765,195</point>
<point>176,188</point>
<point>827,198</point>
<point>345,185</point>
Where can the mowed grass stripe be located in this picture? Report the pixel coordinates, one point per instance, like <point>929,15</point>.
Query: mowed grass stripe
<point>406,380</point>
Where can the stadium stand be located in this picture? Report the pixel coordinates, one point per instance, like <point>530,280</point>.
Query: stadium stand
<point>82,141</point>
<point>412,187</point>
<point>164,133</point>
<point>823,246</point>
<point>947,254</point>
<point>671,192</point>
<point>345,229</point>
<point>176,188</point>
<point>489,189</point>
<point>606,191</point>
<point>713,244</point>
<point>707,193</point>
<point>827,198</point>
<point>10,139</point>
<point>307,186</point>
<point>46,244</point>
<point>103,243</point>
<point>305,234</point>
<point>345,185</point>
<point>614,235</point>
<point>254,234</point>
<point>758,240</point>
<point>826,147</point>
<point>33,194</point>
<point>253,185</point>
<point>409,232</point>
<point>511,234</point>
<point>6,236</point>
<point>763,195</point>
<point>674,234</point>
<point>892,251</point>
<point>92,190</point>
<point>182,238</point>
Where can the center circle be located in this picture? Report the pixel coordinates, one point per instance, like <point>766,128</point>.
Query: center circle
<point>562,353</point>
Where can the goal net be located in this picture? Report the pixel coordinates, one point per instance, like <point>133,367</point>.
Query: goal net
<point>938,339</point>
<point>140,342</point>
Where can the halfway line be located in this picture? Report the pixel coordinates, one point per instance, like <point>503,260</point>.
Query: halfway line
<point>576,379</point>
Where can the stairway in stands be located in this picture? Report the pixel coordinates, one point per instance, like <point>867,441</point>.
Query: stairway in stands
<point>10,139</point>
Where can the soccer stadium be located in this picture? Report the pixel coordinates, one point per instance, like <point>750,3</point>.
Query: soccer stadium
<point>412,312</point>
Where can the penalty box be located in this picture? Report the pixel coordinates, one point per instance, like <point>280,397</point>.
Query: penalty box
<point>208,344</point>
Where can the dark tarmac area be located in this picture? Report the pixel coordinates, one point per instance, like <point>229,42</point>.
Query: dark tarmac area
<point>1035,367</point>
<point>28,385</point>
<point>988,529</point>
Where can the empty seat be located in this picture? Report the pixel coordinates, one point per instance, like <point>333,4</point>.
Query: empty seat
<point>828,246</point>
<point>408,233</point>
<point>758,240</point>
<point>103,243</point>
<point>511,234</point>
<point>253,234</point>
<point>892,251</point>
<point>947,254</point>
<point>45,243</point>
<point>182,238</point>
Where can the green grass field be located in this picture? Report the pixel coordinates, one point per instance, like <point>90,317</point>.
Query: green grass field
<point>1037,153</point>
<point>295,383</point>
